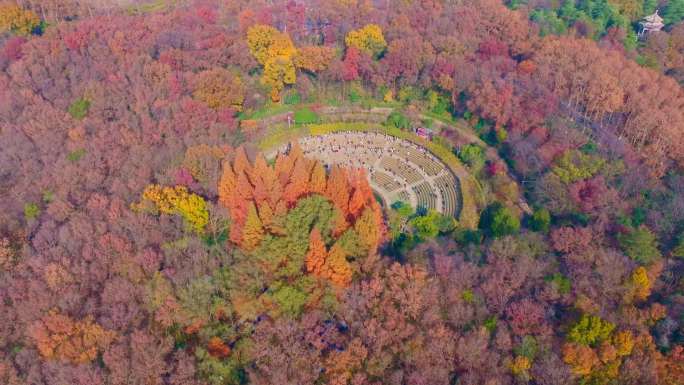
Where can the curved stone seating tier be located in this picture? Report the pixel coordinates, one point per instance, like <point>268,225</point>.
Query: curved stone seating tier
<point>420,158</point>
<point>401,168</point>
<point>397,169</point>
<point>448,187</point>
<point>385,181</point>
<point>403,196</point>
<point>425,196</point>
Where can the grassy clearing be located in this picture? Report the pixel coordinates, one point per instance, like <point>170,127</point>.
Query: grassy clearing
<point>268,110</point>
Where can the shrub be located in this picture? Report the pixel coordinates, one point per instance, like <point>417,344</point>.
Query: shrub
<point>402,208</point>
<point>79,108</point>
<point>408,94</point>
<point>398,120</point>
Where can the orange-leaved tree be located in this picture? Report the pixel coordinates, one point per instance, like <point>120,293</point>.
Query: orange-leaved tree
<point>59,337</point>
<point>219,88</point>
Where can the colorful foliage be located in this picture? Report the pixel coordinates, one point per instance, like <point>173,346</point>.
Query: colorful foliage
<point>176,201</point>
<point>18,20</point>
<point>219,88</point>
<point>314,58</point>
<point>59,337</point>
<point>259,197</point>
<point>276,53</point>
<point>368,39</point>
<point>590,330</point>
<point>640,244</point>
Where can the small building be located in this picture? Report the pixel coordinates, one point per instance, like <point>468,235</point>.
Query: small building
<point>651,23</point>
<point>424,133</point>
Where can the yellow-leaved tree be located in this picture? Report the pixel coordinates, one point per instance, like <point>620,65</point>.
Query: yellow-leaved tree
<point>176,201</point>
<point>275,52</point>
<point>368,39</point>
<point>18,20</point>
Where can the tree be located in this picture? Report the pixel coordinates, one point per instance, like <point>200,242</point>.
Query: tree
<point>573,166</point>
<point>367,39</point>
<point>350,64</point>
<point>370,228</point>
<point>314,58</point>
<point>217,348</point>
<point>176,200</point>
<point>640,244</point>
<point>541,220</point>
<point>275,52</point>
<point>18,20</point>
<point>498,220</point>
<point>260,39</point>
<point>316,255</point>
<point>59,337</point>
<point>590,331</point>
<point>582,359</point>
<point>337,190</point>
<point>571,239</point>
<point>526,317</point>
<point>674,12</point>
<point>336,268</point>
<point>473,156</point>
<point>678,250</point>
<point>253,231</point>
<point>278,71</point>
<point>641,283</point>
<point>219,88</point>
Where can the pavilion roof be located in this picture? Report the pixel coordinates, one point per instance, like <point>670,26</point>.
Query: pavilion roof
<point>654,18</point>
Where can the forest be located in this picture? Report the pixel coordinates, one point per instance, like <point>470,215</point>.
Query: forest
<point>150,235</point>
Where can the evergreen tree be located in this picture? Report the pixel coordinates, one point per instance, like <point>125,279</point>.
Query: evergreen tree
<point>674,12</point>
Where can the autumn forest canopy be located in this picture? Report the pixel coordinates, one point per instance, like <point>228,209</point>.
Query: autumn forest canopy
<point>344,192</point>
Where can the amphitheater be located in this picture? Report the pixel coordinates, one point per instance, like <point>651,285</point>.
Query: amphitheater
<point>398,170</point>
